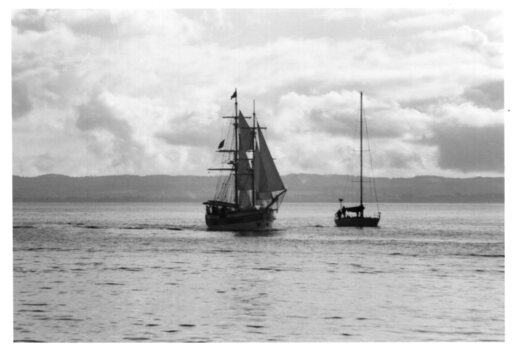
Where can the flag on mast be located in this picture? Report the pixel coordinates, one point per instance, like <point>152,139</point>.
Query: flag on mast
<point>234,95</point>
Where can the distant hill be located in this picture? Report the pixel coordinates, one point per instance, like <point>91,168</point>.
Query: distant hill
<point>301,188</point>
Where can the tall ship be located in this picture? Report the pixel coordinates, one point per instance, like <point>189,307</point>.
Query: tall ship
<point>249,193</point>
<point>354,215</point>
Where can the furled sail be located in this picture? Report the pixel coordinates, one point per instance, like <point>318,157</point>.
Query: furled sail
<point>356,209</point>
<point>266,176</point>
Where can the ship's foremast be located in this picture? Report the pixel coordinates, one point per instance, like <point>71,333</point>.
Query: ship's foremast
<point>235,152</point>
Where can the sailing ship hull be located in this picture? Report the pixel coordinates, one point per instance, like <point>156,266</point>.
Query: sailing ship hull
<point>357,222</point>
<point>247,220</point>
<point>246,199</point>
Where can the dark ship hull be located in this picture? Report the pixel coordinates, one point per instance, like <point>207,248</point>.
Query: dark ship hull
<point>357,222</point>
<point>243,220</point>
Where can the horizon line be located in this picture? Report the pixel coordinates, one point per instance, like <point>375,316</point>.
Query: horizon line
<point>290,174</point>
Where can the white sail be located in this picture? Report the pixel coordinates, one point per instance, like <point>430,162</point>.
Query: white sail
<point>267,179</point>
<point>245,139</point>
<point>244,181</point>
<point>244,199</point>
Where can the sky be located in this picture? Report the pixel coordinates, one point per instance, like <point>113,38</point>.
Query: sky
<point>97,92</point>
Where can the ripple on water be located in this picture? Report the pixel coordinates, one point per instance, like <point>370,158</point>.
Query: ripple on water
<point>130,269</point>
<point>482,255</point>
<point>67,318</point>
<point>296,316</point>
<point>35,310</point>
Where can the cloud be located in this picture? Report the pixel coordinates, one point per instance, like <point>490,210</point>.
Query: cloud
<point>180,133</point>
<point>429,20</point>
<point>487,95</point>
<point>144,91</point>
<point>111,136</point>
<point>463,36</point>
<point>470,149</point>
<point>45,163</point>
<point>378,15</point>
<point>466,114</point>
<point>493,27</point>
<point>33,20</point>
<point>95,114</point>
<point>401,159</point>
<point>337,114</point>
<point>20,99</point>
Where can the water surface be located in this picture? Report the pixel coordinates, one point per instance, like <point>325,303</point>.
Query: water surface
<point>114,272</point>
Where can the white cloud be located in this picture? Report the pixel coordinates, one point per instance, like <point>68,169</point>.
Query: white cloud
<point>375,14</point>
<point>167,77</point>
<point>467,114</point>
<point>464,36</point>
<point>428,20</point>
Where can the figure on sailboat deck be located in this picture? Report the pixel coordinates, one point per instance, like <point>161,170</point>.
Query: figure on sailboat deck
<point>248,197</point>
<point>342,213</point>
<point>359,220</point>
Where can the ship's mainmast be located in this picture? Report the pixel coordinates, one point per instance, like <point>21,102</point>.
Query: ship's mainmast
<point>235,165</point>
<point>253,134</point>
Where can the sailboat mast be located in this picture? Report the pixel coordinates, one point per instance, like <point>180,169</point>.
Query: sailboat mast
<point>253,133</point>
<point>361,149</point>
<point>236,149</point>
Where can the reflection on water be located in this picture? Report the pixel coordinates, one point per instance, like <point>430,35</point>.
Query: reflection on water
<point>151,272</point>
<point>269,233</point>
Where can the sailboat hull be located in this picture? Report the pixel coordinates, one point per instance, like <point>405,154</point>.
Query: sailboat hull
<point>246,220</point>
<point>357,222</point>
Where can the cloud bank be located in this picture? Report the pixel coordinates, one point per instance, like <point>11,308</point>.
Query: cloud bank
<point>142,92</point>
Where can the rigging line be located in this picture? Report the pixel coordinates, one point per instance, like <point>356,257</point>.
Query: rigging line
<point>349,192</point>
<point>222,189</point>
<point>371,161</point>
<point>227,185</point>
<point>219,159</point>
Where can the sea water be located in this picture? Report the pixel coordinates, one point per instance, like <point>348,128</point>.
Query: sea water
<point>123,272</point>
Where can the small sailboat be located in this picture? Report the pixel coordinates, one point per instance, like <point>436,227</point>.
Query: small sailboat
<point>247,198</point>
<point>354,215</point>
